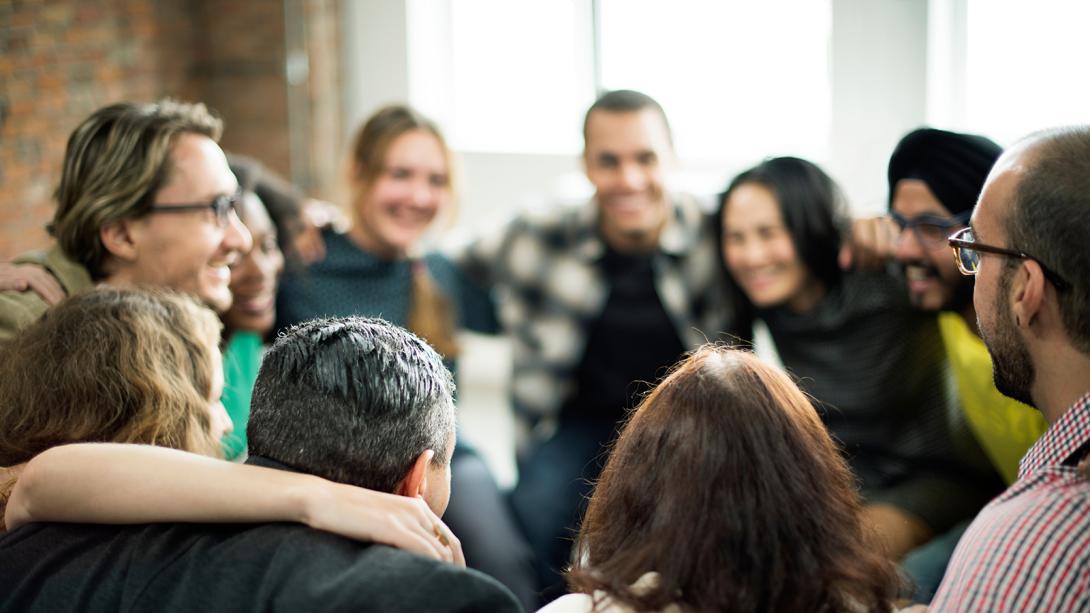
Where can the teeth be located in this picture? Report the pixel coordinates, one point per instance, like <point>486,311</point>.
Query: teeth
<point>916,273</point>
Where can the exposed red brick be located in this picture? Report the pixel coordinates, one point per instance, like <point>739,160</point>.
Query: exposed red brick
<point>62,59</point>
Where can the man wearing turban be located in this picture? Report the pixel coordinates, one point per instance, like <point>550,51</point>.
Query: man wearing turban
<point>935,178</point>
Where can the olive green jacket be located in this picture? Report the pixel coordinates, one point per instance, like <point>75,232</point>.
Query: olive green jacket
<point>20,309</point>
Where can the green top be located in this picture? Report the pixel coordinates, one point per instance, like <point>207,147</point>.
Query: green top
<point>241,360</point>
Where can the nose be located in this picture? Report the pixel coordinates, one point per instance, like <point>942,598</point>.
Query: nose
<point>235,235</point>
<point>632,177</point>
<point>908,246</point>
<point>424,194</point>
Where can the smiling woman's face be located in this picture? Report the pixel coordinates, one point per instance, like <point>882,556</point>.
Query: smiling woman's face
<point>400,203</point>
<point>254,278</point>
<point>759,252</point>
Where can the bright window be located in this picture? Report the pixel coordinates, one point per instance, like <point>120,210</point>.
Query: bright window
<point>739,80</point>
<point>1025,65</point>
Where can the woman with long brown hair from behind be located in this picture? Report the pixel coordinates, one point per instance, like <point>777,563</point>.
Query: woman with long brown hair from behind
<point>725,492</point>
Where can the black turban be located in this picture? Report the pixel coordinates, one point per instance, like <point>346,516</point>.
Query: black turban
<point>954,166</point>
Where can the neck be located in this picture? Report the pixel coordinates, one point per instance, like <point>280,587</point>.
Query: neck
<point>808,298</point>
<point>363,239</point>
<point>1062,377</point>
<point>631,243</point>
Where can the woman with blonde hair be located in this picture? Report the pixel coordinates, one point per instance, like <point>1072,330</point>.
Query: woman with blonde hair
<point>401,180</point>
<point>724,492</point>
<point>114,365</point>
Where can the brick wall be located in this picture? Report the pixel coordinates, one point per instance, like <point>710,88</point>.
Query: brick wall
<point>62,59</point>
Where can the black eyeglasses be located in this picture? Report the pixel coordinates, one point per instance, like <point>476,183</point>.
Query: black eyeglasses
<point>930,230</point>
<point>222,206</point>
<point>967,255</point>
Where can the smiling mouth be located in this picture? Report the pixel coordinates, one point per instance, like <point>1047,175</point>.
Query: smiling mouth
<point>256,304</point>
<point>917,273</point>
<point>221,271</point>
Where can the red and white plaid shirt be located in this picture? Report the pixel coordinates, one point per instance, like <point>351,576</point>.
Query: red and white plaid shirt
<point>1029,549</point>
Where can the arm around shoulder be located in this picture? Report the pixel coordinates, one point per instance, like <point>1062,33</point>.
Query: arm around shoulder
<point>115,483</point>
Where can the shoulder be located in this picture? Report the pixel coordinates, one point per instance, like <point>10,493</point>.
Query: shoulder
<point>1034,541</point>
<point>378,577</point>
<point>1046,512</point>
<point>18,310</point>
<point>298,568</point>
<point>555,221</point>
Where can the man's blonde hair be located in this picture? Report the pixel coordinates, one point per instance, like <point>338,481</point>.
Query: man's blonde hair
<point>114,163</point>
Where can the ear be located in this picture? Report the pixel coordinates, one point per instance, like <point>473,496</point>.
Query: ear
<point>415,483</point>
<point>1028,293</point>
<point>118,237</point>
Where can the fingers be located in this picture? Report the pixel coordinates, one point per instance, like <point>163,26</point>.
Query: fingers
<point>309,245</point>
<point>844,258</point>
<point>25,277</point>
<point>422,544</point>
<point>453,545</point>
<point>45,285</point>
<point>871,243</point>
<point>1084,468</point>
<point>441,534</point>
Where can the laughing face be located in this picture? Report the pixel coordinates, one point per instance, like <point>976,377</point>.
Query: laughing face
<point>760,254</point>
<point>254,279</point>
<point>626,156</point>
<point>189,251</point>
<point>399,205</point>
<point>933,278</point>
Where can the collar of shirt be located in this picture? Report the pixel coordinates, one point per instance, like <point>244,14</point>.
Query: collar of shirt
<point>1064,438</point>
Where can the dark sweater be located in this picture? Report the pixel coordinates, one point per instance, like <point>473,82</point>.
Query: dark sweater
<point>876,369</point>
<point>350,281</point>
<point>211,567</point>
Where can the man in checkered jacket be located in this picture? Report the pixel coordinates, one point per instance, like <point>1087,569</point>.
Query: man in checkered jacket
<point>598,300</point>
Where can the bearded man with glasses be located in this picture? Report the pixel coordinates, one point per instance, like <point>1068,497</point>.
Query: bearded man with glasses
<point>935,178</point>
<point>146,198</point>
<point>1029,549</point>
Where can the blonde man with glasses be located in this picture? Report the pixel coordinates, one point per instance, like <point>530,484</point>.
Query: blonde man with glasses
<point>146,198</point>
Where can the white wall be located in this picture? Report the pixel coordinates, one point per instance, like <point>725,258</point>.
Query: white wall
<point>879,92</point>
<point>879,81</point>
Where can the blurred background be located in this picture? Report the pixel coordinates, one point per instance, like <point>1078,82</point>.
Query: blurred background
<point>836,81</point>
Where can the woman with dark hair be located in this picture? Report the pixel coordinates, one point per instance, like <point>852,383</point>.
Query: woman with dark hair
<point>875,366</point>
<point>255,278</point>
<point>724,492</point>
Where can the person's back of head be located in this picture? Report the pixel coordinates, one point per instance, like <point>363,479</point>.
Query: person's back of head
<point>1050,219</point>
<point>114,163</point>
<point>725,483</point>
<point>358,401</point>
<point>111,365</point>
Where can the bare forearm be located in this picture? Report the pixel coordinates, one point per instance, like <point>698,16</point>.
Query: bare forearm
<point>128,484</point>
<point>117,483</point>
